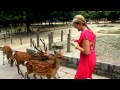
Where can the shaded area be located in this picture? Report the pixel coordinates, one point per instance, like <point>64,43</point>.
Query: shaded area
<point>109,31</point>
<point>105,26</point>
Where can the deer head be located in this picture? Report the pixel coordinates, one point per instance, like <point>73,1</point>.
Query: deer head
<point>59,56</point>
<point>8,52</point>
<point>43,54</point>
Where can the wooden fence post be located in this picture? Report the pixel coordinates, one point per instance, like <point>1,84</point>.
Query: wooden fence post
<point>68,43</point>
<point>62,35</point>
<point>5,31</point>
<point>30,41</point>
<point>11,39</point>
<point>49,41</point>
<point>38,39</point>
<point>11,28</point>
<point>4,37</point>
<point>20,40</point>
<point>52,37</point>
<point>70,33</point>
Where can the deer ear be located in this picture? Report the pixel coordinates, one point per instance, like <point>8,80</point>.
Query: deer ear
<point>55,52</point>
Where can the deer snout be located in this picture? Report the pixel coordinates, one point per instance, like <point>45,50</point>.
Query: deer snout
<point>11,65</point>
<point>66,58</point>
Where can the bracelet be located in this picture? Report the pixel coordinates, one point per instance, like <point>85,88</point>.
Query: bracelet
<point>75,45</point>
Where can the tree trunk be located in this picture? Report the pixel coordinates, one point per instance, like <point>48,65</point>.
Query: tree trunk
<point>66,22</point>
<point>28,22</point>
<point>49,23</point>
<point>112,21</point>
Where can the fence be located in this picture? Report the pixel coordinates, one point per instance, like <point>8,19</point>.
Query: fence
<point>60,44</point>
<point>63,40</point>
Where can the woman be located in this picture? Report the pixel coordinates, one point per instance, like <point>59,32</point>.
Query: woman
<point>86,46</point>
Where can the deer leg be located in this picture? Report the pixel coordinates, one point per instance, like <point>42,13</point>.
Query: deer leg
<point>58,75</point>
<point>19,71</point>
<point>18,68</point>
<point>3,59</point>
<point>40,77</point>
<point>8,59</point>
<point>34,76</point>
<point>55,77</point>
<point>26,75</point>
<point>49,77</point>
<point>11,61</point>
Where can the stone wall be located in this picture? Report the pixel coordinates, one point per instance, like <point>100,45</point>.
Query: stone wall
<point>103,69</point>
<point>108,70</point>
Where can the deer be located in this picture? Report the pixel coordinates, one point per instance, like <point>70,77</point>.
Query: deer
<point>20,57</point>
<point>42,68</point>
<point>7,50</point>
<point>45,53</point>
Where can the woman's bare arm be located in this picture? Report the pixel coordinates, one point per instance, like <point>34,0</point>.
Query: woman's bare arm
<point>86,47</point>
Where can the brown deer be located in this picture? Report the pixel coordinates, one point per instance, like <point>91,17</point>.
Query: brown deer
<point>45,53</point>
<point>7,50</point>
<point>20,57</point>
<point>42,68</point>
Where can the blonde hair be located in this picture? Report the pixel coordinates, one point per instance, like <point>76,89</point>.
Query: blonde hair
<point>80,19</point>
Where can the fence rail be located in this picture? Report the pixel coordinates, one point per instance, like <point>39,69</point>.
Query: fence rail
<point>51,39</point>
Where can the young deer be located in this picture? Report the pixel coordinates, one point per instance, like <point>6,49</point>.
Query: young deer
<point>45,53</point>
<point>42,68</point>
<point>8,52</point>
<point>20,57</point>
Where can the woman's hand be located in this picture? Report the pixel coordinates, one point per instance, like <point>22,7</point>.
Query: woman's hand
<point>72,42</point>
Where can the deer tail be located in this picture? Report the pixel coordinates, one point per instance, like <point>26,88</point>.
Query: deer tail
<point>25,62</point>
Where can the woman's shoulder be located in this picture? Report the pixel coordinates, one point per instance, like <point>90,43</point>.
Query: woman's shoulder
<point>88,34</point>
<point>88,31</point>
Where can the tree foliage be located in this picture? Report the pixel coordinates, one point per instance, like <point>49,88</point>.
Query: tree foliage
<point>28,17</point>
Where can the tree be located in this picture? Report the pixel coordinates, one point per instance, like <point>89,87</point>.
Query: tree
<point>28,21</point>
<point>112,15</point>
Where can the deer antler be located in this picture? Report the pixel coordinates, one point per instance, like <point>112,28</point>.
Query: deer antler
<point>34,45</point>
<point>45,47</point>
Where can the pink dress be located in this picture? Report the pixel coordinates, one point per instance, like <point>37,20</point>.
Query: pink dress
<point>86,63</point>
